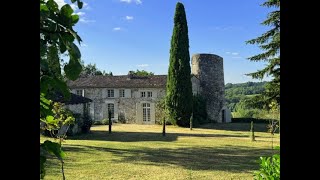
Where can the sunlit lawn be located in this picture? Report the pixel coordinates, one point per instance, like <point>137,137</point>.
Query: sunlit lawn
<point>216,151</point>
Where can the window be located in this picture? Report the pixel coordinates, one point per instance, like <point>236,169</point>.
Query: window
<point>80,92</point>
<point>149,94</point>
<point>111,108</point>
<point>143,94</point>
<point>146,112</point>
<point>110,93</point>
<point>121,92</point>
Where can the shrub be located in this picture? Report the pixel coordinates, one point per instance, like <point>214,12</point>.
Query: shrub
<point>97,123</point>
<point>87,123</point>
<point>162,113</point>
<point>199,111</point>
<point>121,118</point>
<point>269,168</point>
<point>105,121</point>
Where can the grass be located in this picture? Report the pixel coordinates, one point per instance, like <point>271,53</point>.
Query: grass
<point>214,151</point>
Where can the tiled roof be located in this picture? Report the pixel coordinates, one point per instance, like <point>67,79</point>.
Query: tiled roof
<point>125,81</point>
<point>74,99</point>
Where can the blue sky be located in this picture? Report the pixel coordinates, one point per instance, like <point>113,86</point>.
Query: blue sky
<point>123,35</point>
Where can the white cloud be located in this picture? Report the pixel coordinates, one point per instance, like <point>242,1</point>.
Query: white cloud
<point>228,52</point>
<point>85,5</point>
<point>235,53</point>
<point>236,57</point>
<point>130,1</point>
<point>74,6</point>
<point>80,13</point>
<point>142,65</point>
<point>60,3</point>
<point>129,17</point>
<point>127,1</point>
<point>85,20</point>
<point>116,29</point>
<point>83,45</point>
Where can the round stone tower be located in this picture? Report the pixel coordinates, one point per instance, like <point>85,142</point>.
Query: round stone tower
<point>209,70</point>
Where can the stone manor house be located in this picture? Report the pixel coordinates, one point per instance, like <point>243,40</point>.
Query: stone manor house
<point>133,99</point>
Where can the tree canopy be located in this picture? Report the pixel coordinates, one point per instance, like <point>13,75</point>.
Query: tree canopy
<point>57,37</point>
<point>141,73</point>
<point>269,42</point>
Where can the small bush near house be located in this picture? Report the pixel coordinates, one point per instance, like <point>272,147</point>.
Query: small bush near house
<point>77,123</point>
<point>121,118</point>
<point>105,121</point>
<point>87,123</point>
<point>97,123</point>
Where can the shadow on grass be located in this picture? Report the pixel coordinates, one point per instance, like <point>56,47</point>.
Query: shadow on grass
<point>226,158</point>
<point>258,127</point>
<point>142,136</point>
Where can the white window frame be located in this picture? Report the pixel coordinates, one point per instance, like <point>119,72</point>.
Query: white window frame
<point>80,92</point>
<point>143,94</point>
<point>122,93</point>
<point>149,93</point>
<point>110,106</point>
<point>110,93</point>
<point>146,112</point>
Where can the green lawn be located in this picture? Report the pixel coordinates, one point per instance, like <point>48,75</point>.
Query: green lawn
<point>219,151</point>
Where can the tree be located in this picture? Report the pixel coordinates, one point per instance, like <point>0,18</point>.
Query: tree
<point>56,37</point>
<point>179,88</point>
<point>91,70</point>
<point>141,73</point>
<point>269,42</point>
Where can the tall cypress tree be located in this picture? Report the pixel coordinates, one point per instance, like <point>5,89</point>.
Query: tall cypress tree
<point>179,88</point>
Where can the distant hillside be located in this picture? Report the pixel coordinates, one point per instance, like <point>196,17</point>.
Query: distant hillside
<point>235,92</point>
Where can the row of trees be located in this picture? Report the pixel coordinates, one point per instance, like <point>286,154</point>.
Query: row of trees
<point>240,92</point>
<point>90,70</point>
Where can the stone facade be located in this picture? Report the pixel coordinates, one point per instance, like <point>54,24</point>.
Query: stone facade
<point>128,109</point>
<point>134,99</point>
<point>209,70</point>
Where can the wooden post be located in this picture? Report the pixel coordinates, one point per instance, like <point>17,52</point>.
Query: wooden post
<point>164,127</point>
<point>191,119</point>
<point>110,122</point>
<point>252,132</point>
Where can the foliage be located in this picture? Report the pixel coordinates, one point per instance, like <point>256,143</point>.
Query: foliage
<point>87,123</point>
<point>179,89</point>
<point>105,121</point>
<point>121,117</point>
<point>199,110</point>
<point>91,70</point>
<point>252,132</point>
<point>269,168</point>
<point>61,116</point>
<point>56,37</point>
<point>234,93</point>
<point>162,113</point>
<point>269,42</point>
<point>97,123</point>
<point>141,73</point>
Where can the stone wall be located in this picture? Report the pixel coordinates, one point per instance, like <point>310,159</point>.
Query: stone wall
<point>195,85</point>
<point>128,107</point>
<point>75,108</point>
<point>209,69</point>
